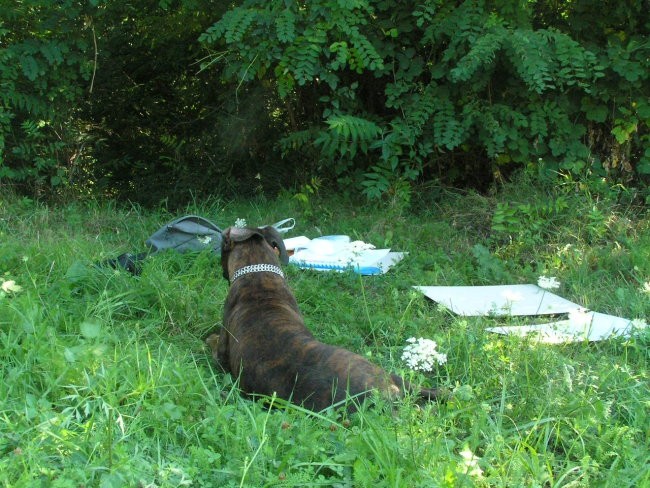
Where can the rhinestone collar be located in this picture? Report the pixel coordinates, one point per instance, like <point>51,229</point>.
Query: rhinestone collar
<point>257,268</point>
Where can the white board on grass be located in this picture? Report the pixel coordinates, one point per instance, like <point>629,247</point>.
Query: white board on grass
<point>498,300</point>
<point>597,327</point>
<point>292,243</point>
<point>368,262</point>
<point>338,253</point>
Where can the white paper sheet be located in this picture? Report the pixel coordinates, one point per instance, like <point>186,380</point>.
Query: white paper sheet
<point>389,260</point>
<point>498,300</point>
<point>292,243</point>
<point>529,300</point>
<point>600,326</point>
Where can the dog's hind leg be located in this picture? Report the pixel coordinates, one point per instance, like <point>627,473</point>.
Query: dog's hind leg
<point>219,350</point>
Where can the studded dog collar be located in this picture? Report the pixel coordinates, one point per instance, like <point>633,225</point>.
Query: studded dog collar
<point>256,268</point>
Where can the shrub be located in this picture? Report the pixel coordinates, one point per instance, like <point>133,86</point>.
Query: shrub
<point>46,68</point>
<point>382,94</point>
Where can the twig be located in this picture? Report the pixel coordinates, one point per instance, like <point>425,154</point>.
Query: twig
<point>92,81</point>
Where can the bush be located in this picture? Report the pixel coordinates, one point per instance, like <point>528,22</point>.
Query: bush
<point>150,102</point>
<point>46,69</point>
<point>389,93</point>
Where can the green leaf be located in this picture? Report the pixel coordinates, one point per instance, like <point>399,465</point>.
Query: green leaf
<point>30,67</point>
<point>595,112</point>
<point>90,329</point>
<point>69,355</point>
<point>643,167</point>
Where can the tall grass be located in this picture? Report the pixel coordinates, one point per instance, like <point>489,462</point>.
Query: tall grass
<point>106,382</point>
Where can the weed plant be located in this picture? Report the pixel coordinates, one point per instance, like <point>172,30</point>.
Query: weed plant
<point>106,381</point>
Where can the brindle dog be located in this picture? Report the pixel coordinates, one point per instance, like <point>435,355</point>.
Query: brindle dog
<point>265,343</point>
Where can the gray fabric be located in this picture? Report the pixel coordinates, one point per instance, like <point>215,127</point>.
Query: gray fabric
<point>187,233</point>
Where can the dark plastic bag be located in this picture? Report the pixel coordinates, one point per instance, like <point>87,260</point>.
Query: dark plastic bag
<point>190,233</point>
<point>185,234</point>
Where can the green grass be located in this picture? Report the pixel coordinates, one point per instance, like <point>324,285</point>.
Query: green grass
<point>106,382</point>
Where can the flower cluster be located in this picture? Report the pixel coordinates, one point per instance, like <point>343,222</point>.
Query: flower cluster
<point>422,354</point>
<point>469,464</point>
<point>10,286</point>
<point>240,223</point>
<point>638,325</point>
<point>548,282</point>
<point>646,288</point>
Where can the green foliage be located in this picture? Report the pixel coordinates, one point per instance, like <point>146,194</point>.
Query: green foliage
<point>45,68</point>
<point>306,194</point>
<point>156,101</point>
<point>162,134</point>
<point>531,222</point>
<point>448,89</point>
<point>345,136</point>
<point>106,98</point>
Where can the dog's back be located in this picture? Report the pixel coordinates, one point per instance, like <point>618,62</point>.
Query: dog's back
<point>265,343</point>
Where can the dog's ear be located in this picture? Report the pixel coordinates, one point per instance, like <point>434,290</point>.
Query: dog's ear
<point>274,239</point>
<point>241,234</point>
<point>229,237</point>
<point>226,243</point>
<point>226,247</point>
<point>269,233</point>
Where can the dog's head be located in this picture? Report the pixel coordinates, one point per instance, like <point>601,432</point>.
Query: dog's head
<point>243,246</point>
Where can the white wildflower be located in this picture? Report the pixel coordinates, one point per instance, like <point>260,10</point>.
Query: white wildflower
<point>568,374</point>
<point>646,288</point>
<point>120,423</point>
<point>10,286</point>
<point>638,325</point>
<point>548,282</point>
<point>204,240</point>
<point>422,355</point>
<point>580,317</point>
<point>240,223</point>
<point>469,465</point>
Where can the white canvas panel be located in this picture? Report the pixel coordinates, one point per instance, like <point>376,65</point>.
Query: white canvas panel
<point>368,262</point>
<point>339,253</point>
<point>599,327</point>
<point>498,300</point>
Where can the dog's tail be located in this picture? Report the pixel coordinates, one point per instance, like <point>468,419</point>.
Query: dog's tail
<point>425,394</point>
<point>433,394</point>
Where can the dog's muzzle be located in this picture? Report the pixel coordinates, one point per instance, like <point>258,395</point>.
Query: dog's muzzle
<point>256,268</point>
